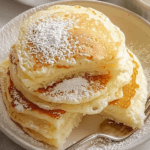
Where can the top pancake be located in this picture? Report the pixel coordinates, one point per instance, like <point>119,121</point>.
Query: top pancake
<point>66,40</point>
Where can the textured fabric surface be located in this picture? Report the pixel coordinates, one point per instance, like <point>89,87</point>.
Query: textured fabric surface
<point>6,143</point>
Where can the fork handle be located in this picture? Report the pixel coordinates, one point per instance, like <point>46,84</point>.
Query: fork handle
<point>92,137</point>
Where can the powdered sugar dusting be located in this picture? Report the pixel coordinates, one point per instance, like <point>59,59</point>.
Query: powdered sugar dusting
<point>18,102</point>
<point>47,40</point>
<point>73,89</point>
<point>18,106</point>
<point>72,84</point>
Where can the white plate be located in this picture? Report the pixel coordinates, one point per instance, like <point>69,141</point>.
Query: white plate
<point>34,3</point>
<point>137,31</point>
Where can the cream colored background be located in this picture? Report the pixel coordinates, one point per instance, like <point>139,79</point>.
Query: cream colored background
<point>8,10</point>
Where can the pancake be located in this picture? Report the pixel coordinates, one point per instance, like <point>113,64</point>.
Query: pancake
<point>23,105</point>
<point>64,42</point>
<point>80,89</point>
<point>54,126</point>
<point>130,108</point>
<point>113,90</point>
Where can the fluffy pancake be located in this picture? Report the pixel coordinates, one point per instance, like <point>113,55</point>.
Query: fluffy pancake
<point>54,126</point>
<point>43,128</point>
<point>23,105</point>
<point>112,91</point>
<point>130,108</point>
<point>66,41</point>
<point>83,88</point>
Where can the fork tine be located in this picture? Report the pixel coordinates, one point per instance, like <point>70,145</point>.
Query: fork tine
<point>147,111</point>
<point>148,100</point>
<point>148,96</point>
<point>147,104</point>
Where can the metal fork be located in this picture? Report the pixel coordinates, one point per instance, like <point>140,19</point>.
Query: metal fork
<point>111,130</point>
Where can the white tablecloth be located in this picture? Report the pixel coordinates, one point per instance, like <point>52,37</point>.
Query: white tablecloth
<point>8,10</point>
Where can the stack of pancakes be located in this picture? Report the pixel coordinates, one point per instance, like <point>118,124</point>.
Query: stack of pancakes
<point>70,61</point>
